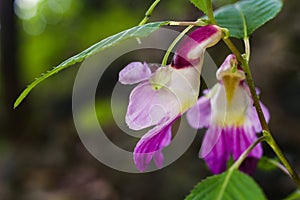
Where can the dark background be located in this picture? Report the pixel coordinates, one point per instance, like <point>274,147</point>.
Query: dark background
<point>41,155</point>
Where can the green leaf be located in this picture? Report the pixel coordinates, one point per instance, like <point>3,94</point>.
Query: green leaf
<point>294,196</point>
<point>201,5</point>
<point>245,16</point>
<point>137,31</point>
<point>229,185</point>
<point>219,3</point>
<point>267,164</point>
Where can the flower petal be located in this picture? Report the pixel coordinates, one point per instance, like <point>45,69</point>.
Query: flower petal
<point>242,138</point>
<point>215,149</point>
<point>148,107</point>
<point>249,165</point>
<point>151,145</point>
<point>199,115</point>
<point>253,119</point>
<point>134,72</point>
<point>190,52</point>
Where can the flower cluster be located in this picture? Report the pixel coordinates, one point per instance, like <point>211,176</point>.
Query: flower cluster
<point>165,93</point>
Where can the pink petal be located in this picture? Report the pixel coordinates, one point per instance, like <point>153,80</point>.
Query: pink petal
<point>134,72</point>
<point>215,149</point>
<point>151,144</point>
<point>148,107</point>
<point>199,115</point>
<point>253,119</point>
<point>190,52</point>
<point>242,138</point>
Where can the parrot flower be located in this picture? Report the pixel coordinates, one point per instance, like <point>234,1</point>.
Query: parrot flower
<point>227,111</point>
<point>165,93</point>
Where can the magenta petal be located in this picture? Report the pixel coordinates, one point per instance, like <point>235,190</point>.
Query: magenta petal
<point>191,50</point>
<point>215,149</point>
<point>249,165</point>
<point>151,144</point>
<point>148,107</point>
<point>134,72</point>
<point>199,115</point>
<point>242,138</point>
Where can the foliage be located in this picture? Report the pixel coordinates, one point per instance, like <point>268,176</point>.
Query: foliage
<point>138,31</point>
<point>231,184</point>
<point>244,17</point>
<point>294,196</point>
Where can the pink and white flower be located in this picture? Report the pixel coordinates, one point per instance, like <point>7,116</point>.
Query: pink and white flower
<point>227,111</point>
<point>165,93</point>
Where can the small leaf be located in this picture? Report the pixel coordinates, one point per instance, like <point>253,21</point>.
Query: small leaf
<point>294,196</point>
<point>137,31</point>
<point>267,164</point>
<point>231,184</point>
<point>201,5</point>
<point>245,16</point>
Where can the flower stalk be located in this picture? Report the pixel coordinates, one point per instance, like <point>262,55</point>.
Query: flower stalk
<point>242,157</point>
<point>266,130</point>
<point>165,59</point>
<point>149,12</point>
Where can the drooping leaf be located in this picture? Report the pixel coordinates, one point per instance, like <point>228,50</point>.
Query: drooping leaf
<point>200,4</point>
<point>245,16</point>
<point>294,196</point>
<point>229,185</point>
<point>137,31</point>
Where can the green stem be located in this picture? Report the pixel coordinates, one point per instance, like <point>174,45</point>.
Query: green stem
<point>266,130</point>
<point>165,59</point>
<point>277,164</point>
<point>199,22</point>
<point>244,155</point>
<point>149,12</point>
<point>210,12</point>
<point>282,158</point>
<point>247,48</point>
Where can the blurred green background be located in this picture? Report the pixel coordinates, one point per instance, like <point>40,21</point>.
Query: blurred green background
<point>41,155</point>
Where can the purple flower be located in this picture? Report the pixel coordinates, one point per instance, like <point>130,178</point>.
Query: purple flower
<point>165,93</point>
<point>227,111</point>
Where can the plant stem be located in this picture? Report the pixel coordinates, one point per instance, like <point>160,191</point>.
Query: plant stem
<point>244,155</point>
<point>282,158</point>
<point>165,59</point>
<point>266,130</point>
<point>278,165</point>
<point>187,23</point>
<point>149,12</point>
<point>247,48</point>
<point>210,12</point>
